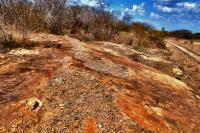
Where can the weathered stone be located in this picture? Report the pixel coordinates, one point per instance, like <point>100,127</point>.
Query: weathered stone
<point>178,73</point>
<point>33,104</point>
<point>22,52</point>
<point>144,99</point>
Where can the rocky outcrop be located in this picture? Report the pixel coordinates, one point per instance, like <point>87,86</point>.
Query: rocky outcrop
<point>95,88</point>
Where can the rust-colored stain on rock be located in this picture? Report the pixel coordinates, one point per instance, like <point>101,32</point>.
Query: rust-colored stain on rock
<point>90,126</point>
<point>76,80</point>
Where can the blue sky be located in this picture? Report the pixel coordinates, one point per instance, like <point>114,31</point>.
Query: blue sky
<point>171,14</point>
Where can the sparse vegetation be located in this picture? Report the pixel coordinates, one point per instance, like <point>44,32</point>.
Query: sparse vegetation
<point>184,34</point>
<point>6,40</point>
<point>191,42</point>
<point>196,36</point>
<point>147,36</point>
<point>83,22</point>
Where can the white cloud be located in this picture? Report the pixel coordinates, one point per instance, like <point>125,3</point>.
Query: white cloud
<point>130,13</point>
<point>174,6</point>
<point>187,5</point>
<point>92,3</point>
<point>155,16</point>
<point>139,9</point>
<point>166,9</point>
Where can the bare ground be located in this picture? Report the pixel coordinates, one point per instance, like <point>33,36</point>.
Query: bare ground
<point>92,87</point>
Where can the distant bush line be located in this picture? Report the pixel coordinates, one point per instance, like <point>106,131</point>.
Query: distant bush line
<point>84,22</point>
<point>184,34</point>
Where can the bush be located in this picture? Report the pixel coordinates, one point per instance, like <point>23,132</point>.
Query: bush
<point>8,41</point>
<point>158,40</point>
<point>185,34</point>
<point>126,38</point>
<point>55,14</point>
<point>87,36</point>
<point>196,36</point>
<point>123,26</point>
<point>95,21</point>
<point>147,36</point>
<point>141,34</point>
<point>87,23</point>
<point>35,15</point>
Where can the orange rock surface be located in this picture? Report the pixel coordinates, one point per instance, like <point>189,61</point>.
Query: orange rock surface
<point>90,126</point>
<point>76,80</point>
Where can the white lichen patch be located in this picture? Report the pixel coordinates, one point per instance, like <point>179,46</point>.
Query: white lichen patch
<point>21,52</point>
<point>155,59</point>
<point>157,110</point>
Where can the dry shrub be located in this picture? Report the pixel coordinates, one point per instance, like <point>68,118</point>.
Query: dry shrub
<point>141,33</point>
<point>185,42</point>
<point>22,14</point>
<point>87,23</point>
<point>95,23</point>
<point>23,17</point>
<point>122,26</point>
<point>141,36</point>
<point>185,34</point>
<point>8,41</point>
<point>55,14</point>
<point>147,36</point>
<point>56,17</point>
<point>126,38</point>
<point>86,36</point>
<point>158,40</point>
<point>196,36</point>
<point>34,15</point>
